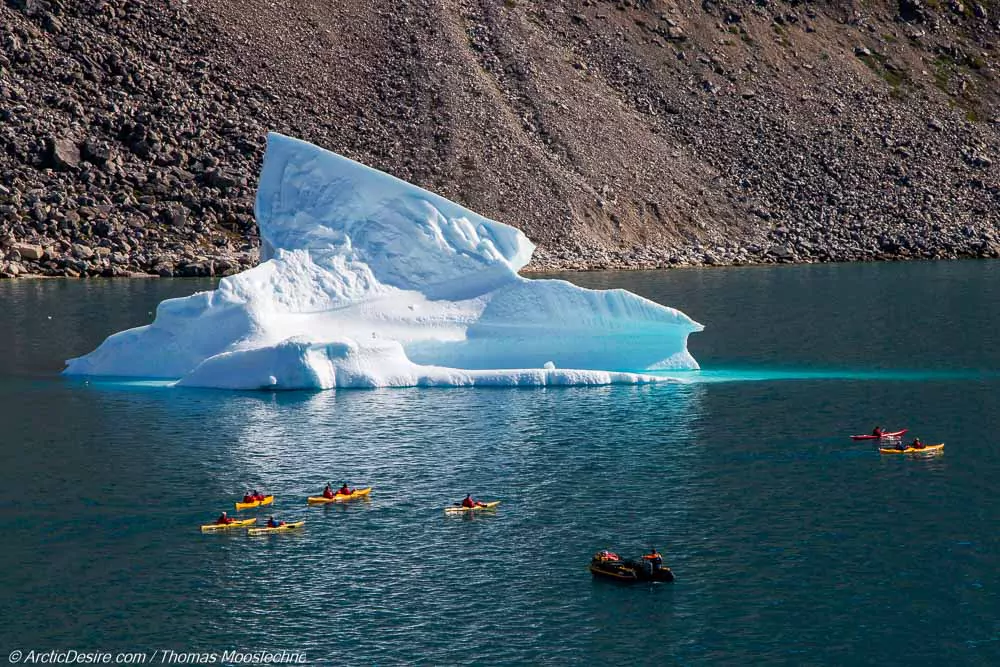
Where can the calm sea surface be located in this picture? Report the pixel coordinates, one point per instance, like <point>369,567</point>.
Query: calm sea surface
<point>791,543</point>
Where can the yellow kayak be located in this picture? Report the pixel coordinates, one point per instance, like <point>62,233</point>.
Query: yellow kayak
<point>340,497</point>
<point>257,503</point>
<point>279,529</point>
<point>240,523</point>
<point>484,506</point>
<point>912,450</point>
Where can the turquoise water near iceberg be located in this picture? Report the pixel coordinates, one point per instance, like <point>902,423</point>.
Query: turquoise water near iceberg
<point>791,543</point>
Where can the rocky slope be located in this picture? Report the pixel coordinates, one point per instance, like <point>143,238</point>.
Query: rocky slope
<point>615,134</point>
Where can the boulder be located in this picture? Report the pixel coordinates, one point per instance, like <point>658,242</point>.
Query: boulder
<point>95,152</point>
<point>220,179</point>
<point>62,153</point>
<point>82,252</point>
<point>175,216</point>
<point>29,251</point>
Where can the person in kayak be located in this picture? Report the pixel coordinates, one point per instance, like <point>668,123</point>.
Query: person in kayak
<point>877,431</point>
<point>916,444</point>
<point>248,497</point>
<point>224,519</point>
<point>344,490</point>
<point>271,523</point>
<point>653,557</point>
<point>469,502</point>
<point>257,495</point>
<point>900,446</point>
<point>328,491</point>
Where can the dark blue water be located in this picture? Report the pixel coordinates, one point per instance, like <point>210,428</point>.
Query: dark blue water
<point>791,543</point>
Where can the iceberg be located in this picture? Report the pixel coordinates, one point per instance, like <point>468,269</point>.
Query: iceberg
<point>368,281</point>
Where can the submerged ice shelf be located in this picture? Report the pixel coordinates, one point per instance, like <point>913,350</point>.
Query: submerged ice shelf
<point>368,281</point>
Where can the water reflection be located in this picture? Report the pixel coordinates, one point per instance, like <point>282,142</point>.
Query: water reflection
<point>544,452</point>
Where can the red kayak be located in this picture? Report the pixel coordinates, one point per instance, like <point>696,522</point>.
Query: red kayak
<point>884,436</point>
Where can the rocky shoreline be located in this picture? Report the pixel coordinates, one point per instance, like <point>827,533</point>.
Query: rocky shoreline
<point>616,135</point>
<point>29,261</point>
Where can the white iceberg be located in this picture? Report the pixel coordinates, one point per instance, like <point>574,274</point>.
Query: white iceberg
<point>368,281</point>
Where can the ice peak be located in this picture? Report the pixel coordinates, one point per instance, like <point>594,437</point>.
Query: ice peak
<point>312,199</point>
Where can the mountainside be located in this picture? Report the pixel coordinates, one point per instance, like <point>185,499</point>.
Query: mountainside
<point>614,134</point>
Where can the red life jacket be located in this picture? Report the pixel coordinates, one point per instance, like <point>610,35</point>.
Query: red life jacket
<point>327,493</point>
<point>467,502</point>
<point>344,491</point>
<point>248,499</point>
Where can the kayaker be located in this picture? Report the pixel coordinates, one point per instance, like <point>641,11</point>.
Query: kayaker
<point>248,497</point>
<point>271,523</point>
<point>469,502</point>
<point>900,446</point>
<point>653,557</point>
<point>328,491</point>
<point>344,490</point>
<point>916,444</point>
<point>877,431</point>
<point>257,495</point>
<point>224,519</point>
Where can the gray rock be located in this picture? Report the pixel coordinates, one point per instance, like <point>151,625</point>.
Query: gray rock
<point>675,34</point>
<point>197,269</point>
<point>781,253</point>
<point>34,7</point>
<point>977,159</point>
<point>176,216</point>
<point>220,179</point>
<point>63,153</point>
<point>104,228</point>
<point>95,151</point>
